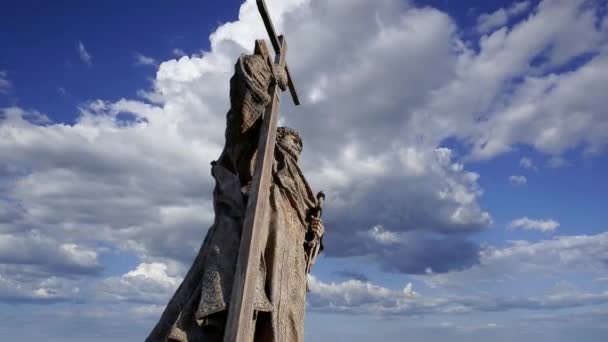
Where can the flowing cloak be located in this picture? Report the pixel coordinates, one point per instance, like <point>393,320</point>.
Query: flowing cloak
<point>205,292</point>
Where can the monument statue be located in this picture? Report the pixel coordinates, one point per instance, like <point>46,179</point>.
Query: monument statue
<point>280,211</point>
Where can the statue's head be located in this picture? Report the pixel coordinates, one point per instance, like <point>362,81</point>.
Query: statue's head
<point>290,140</point>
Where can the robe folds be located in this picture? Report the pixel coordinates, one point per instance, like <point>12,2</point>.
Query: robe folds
<point>198,309</point>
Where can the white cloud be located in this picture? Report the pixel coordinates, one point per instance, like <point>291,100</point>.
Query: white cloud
<point>154,271</point>
<point>556,161</point>
<point>103,195</point>
<point>355,295</point>
<point>508,92</point>
<point>562,117</point>
<point>179,52</point>
<point>5,84</point>
<point>397,84</point>
<point>16,287</point>
<point>518,180</point>
<point>408,291</point>
<point>383,236</point>
<point>146,196</point>
<point>147,283</point>
<point>555,257</point>
<point>33,248</point>
<point>489,21</point>
<point>84,55</point>
<point>358,297</point>
<point>527,163</point>
<point>144,60</point>
<point>525,223</point>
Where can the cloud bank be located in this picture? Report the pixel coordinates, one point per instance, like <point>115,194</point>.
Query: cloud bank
<point>383,94</point>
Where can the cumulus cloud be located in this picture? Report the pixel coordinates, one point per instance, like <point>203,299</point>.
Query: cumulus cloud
<point>527,163</point>
<point>34,249</point>
<point>5,84</point>
<point>84,55</point>
<point>435,195</point>
<point>525,223</point>
<point>18,285</point>
<point>508,91</point>
<point>555,257</point>
<point>148,283</point>
<point>518,180</point>
<point>353,295</point>
<point>556,161</point>
<point>383,236</point>
<point>383,93</point>
<point>360,297</point>
<point>408,252</point>
<point>144,60</point>
<point>179,52</point>
<point>105,193</point>
<point>356,275</point>
<point>62,91</point>
<point>489,21</point>
<point>152,197</point>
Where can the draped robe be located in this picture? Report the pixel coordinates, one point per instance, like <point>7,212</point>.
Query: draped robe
<point>198,309</point>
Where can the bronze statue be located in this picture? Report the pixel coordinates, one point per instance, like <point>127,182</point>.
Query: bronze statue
<point>198,309</point>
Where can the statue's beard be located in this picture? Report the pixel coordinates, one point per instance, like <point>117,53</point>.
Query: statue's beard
<point>292,150</point>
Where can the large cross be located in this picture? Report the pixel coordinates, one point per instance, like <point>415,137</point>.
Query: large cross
<point>240,324</point>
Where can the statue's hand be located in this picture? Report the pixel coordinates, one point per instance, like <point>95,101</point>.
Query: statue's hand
<point>316,226</point>
<point>280,76</point>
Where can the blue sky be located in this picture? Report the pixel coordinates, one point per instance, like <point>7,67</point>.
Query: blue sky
<point>462,146</point>
<point>52,31</point>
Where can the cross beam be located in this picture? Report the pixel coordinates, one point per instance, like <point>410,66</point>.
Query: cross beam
<point>240,326</point>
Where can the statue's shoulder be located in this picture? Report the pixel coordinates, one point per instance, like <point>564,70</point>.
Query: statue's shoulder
<point>254,63</point>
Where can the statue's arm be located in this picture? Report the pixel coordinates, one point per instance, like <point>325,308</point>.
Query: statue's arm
<point>248,95</point>
<point>248,99</point>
